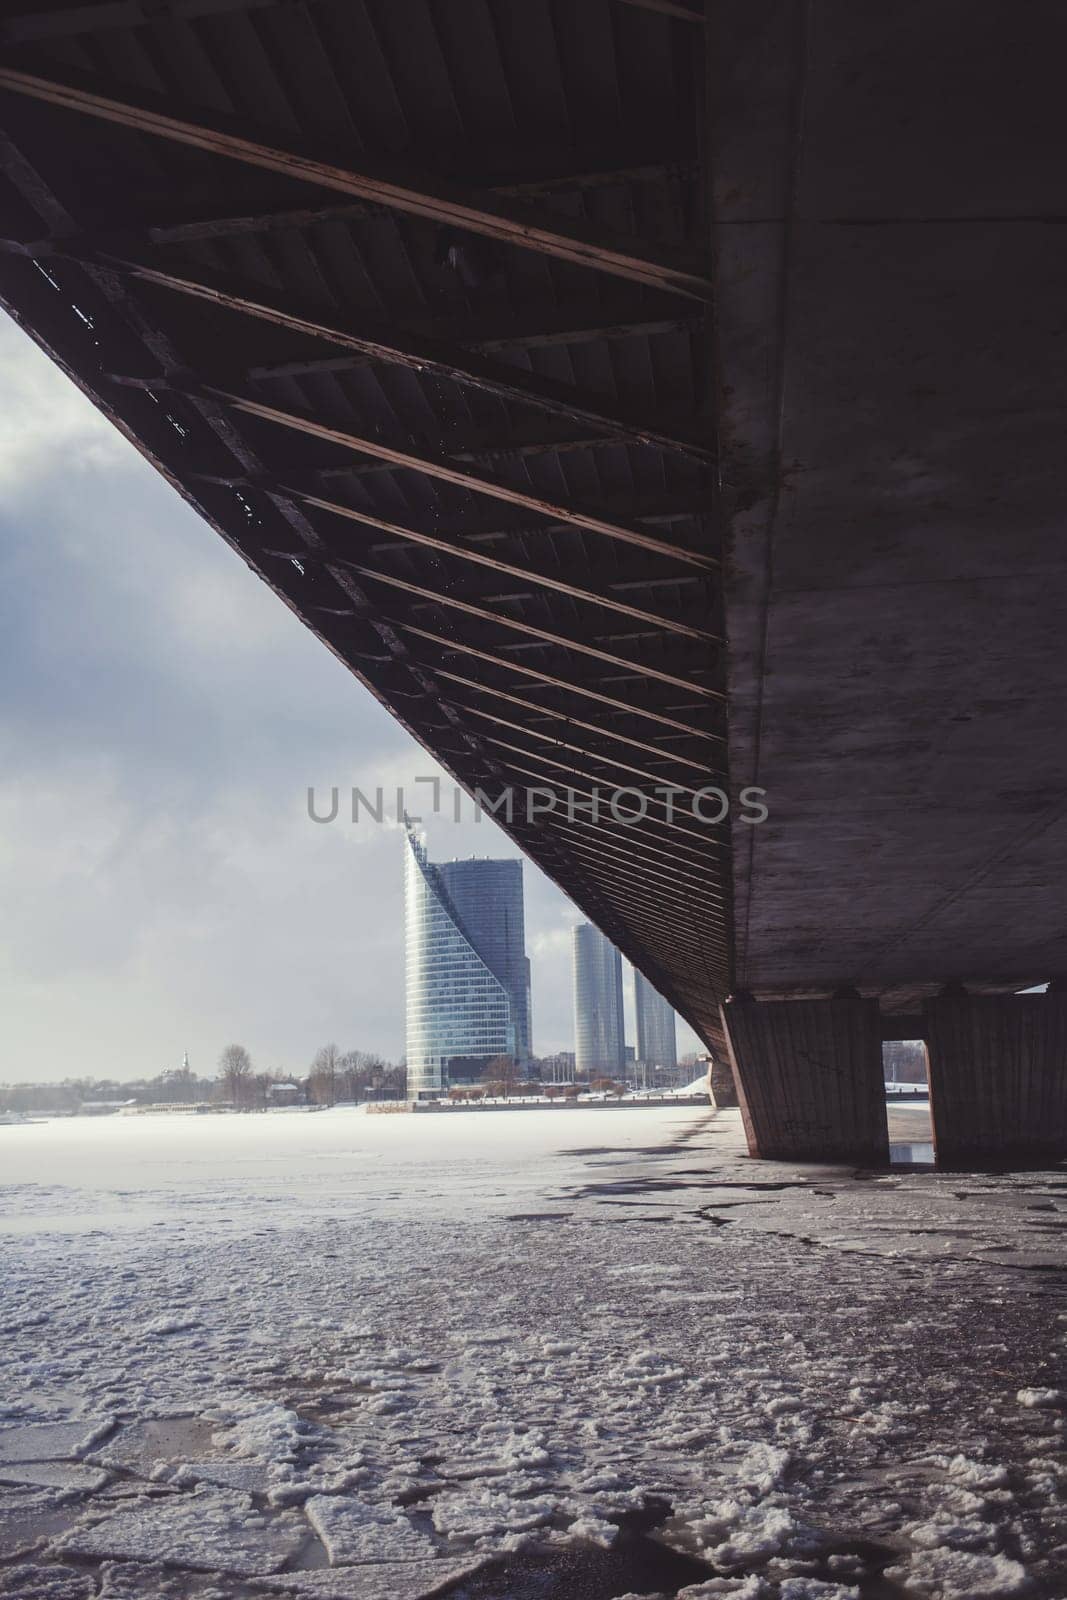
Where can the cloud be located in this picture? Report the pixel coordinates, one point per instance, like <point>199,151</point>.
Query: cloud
<point>163,716</point>
<point>47,420</point>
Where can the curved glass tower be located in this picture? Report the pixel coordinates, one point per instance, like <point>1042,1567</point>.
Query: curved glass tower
<point>467,977</point>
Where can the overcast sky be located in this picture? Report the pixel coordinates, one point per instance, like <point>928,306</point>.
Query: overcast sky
<point>163,715</point>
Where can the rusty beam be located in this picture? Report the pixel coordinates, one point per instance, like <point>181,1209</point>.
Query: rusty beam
<point>562,641</point>
<point>658,871</point>
<point>642,846</point>
<point>441,467</point>
<point>486,335</point>
<point>208,213</point>
<point>388,183</point>
<point>478,557</point>
<point>507,665</point>
<point>551,715</point>
<point>369,340</point>
<point>557,743</point>
<point>646,822</point>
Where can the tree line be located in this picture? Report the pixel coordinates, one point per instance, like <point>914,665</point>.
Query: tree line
<point>332,1076</point>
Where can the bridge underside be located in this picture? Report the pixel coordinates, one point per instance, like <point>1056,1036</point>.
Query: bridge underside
<point>412,302</point>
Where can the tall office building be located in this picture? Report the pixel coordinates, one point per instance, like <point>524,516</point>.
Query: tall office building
<point>600,1042</point>
<point>656,1042</point>
<point>467,976</point>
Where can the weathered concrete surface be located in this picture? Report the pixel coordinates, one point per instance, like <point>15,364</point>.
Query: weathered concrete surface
<point>890,260</point>
<point>998,1078</point>
<point>721,1085</point>
<point>809,1079</point>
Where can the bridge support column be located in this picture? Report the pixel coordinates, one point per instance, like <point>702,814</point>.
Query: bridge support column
<point>809,1077</point>
<point>998,1077</point>
<point>721,1085</point>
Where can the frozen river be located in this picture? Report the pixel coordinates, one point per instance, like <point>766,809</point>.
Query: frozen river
<point>288,1167</point>
<point>553,1354</point>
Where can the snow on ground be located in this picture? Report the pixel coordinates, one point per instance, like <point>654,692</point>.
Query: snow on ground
<point>553,1353</point>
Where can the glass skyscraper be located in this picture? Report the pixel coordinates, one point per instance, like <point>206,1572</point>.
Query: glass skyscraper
<point>600,1041</point>
<point>656,1041</point>
<point>467,976</point>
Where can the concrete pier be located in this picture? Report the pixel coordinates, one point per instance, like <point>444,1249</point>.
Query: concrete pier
<point>809,1078</point>
<point>721,1085</point>
<point>998,1078</point>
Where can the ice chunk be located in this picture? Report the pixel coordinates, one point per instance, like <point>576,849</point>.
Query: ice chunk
<point>959,1575</point>
<point>760,1531</point>
<point>53,1475</point>
<point>251,1477</point>
<point>142,1446</point>
<point>816,1589</point>
<point>354,1532</point>
<point>476,1514</point>
<point>762,1467</point>
<point>172,1322</point>
<point>214,1530</point>
<point>594,1529</point>
<point>733,1533</point>
<point>1040,1397</point>
<point>137,1580</point>
<point>386,1580</point>
<point>943,1530</point>
<point>31,1582</point>
<point>272,1432</point>
<point>50,1441</point>
<point>28,1516</point>
<point>977,1474</point>
<point>750,1588</point>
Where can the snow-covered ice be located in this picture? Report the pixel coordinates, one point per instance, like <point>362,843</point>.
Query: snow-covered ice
<point>353,1531</point>
<point>213,1529</point>
<point>537,1353</point>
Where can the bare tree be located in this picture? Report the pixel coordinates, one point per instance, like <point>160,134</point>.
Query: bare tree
<point>235,1070</point>
<point>260,1085</point>
<point>322,1079</point>
<point>363,1072</point>
<point>502,1076</point>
